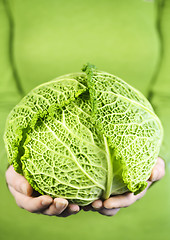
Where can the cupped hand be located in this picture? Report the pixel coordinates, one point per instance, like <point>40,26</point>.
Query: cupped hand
<point>44,204</point>
<point>112,205</point>
<point>25,198</point>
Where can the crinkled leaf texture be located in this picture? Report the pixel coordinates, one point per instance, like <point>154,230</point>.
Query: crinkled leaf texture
<point>84,136</point>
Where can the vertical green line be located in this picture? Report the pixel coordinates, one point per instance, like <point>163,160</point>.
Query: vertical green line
<point>11,47</point>
<point>159,9</point>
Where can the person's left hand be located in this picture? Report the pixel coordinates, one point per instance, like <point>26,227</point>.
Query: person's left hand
<point>112,205</point>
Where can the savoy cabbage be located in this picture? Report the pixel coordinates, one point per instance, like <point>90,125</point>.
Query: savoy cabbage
<point>84,136</point>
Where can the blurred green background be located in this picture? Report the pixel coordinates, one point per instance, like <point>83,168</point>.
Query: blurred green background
<point>40,40</point>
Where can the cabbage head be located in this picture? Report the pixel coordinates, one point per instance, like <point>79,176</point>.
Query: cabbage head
<point>84,136</point>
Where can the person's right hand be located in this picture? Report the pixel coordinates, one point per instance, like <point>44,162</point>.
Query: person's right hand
<point>44,204</point>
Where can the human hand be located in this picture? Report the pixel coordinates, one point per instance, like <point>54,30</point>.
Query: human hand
<point>44,204</point>
<point>112,205</point>
<point>23,194</point>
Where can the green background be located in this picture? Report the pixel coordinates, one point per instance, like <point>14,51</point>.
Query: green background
<point>40,40</point>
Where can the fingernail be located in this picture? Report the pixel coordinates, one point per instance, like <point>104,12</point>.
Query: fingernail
<point>74,209</point>
<point>61,203</point>
<point>108,205</point>
<point>46,202</point>
<point>96,205</point>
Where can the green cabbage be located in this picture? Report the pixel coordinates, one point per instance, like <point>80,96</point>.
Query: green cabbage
<point>84,136</point>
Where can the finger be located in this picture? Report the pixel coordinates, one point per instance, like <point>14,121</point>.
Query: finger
<point>70,210</point>
<point>97,204</point>
<point>119,201</point>
<point>122,201</point>
<point>57,207</point>
<point>73,208</point>
<point>109,212</point>
<point>158,171</point>
<point>29,203</point>
<point>18,182</point>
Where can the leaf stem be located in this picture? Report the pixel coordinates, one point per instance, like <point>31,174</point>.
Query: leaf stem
<point>107,192</point>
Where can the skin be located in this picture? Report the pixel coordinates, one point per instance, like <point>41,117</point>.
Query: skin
<point>27,199</point>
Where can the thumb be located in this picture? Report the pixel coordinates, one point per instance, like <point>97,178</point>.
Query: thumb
<point>18,182</point>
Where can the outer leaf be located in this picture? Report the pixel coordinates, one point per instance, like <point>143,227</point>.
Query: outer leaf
<point>133,130</point>
<point>37,104</point>
<point>52,141</point>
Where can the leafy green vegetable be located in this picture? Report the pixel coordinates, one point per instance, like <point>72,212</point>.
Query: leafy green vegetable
<point>84,136</point>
